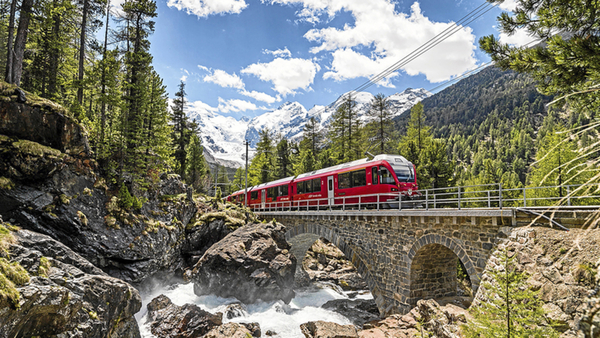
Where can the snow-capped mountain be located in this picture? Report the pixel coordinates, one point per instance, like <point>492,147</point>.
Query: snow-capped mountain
<point>223,136</point>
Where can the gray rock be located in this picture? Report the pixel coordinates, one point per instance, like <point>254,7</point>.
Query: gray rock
<point>74,300</point>
<point>252,263</point>
<point>321,329</point>
<point>359,311</point>
<point>168,320</point>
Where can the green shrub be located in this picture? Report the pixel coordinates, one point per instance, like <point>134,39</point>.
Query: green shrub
<point>125,199</point>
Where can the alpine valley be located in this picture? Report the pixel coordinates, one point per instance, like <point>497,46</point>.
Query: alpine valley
<point>223,136</point>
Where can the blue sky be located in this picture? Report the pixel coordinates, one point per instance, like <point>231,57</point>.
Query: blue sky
<point>245,57</point>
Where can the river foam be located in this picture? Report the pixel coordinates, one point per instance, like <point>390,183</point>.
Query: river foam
<point>284,319</point>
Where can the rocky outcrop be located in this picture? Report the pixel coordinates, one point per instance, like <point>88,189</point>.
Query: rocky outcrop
<point>359,311</point>
<point>563,267</point>
<point>427,319</point>
<point>42,121</point>
<point>188,321</point>
<point>230,330</point>
<point>252,263</point>
<point>321,329</point>
<point>325,262</point>
<point>73,207</point>
<point>66,296</point>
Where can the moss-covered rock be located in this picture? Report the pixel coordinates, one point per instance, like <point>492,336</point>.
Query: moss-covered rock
<point>41,121</point>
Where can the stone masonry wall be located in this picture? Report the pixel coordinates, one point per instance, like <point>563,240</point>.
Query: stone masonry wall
<point>433,273</point>
<point>384,249</point>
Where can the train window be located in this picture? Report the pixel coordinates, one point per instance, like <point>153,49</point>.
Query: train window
<point>386,176</point>
<point>404,173</point>
<point>316,185</point>
<point>254,195</point>
<point>359,178</point>
<point>374,176</point>
<point>330,185</point>
<point>301,187</point>
<point>272,192</point>
<point>344,181</point>
<point>283,190</point>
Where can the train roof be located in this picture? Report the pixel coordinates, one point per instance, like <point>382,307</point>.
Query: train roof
<point>392,159</point>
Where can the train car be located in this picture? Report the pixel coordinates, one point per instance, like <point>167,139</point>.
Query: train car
<point>275,195</point>
<point>363,182</point>
<point>237,197</point>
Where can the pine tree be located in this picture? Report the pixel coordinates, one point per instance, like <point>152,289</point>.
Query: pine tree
<point>440,170</point>
<point>262,167</point>
<point>283,162</point>
<point>566,62</point>
<point>180,123</point>
<point>412,145</point>
<point>380,127</point>
<point>137,61</point>
<point>345,131</point>
<point>312,136</point>
<point>511,308</point>
<point>196,167</point>
<point>307,162</point>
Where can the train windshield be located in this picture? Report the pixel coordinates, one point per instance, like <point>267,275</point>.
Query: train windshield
<point>404,173</point>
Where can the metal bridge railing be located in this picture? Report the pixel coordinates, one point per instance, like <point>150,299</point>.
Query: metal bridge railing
<point>491,196</point>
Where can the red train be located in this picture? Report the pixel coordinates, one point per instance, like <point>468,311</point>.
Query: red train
<point>361,183</point>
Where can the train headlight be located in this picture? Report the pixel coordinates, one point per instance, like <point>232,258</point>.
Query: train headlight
<point>410,191</point>
<point>394,189</point>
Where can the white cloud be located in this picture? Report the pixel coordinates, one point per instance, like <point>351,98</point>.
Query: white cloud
<point>285,53</point>
<point>258,96</point>
<point>287,75</point>
<point>224,79</point>
<point>199,106</point>
<point>234,105</point>
<point>520,38</point>
<point>183,78</point>
<point>203,68</point>
<point>387,36</point>
<point>204,8</point>
<point>508,5</point>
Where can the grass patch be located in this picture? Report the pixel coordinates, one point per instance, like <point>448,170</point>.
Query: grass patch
<point>44,267</point>
<point>11,276</point>
<point>6,237</point>
<point>6,183</point>
<point>36,149</point>
<point>585,274</point>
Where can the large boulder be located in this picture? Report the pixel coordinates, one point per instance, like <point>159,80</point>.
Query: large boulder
<point>326,262</point>
<point>321,329</point>
<point>66,296</point>
<point>359,311</point>
<point>252,263</point>
<point>26,116</point>
<point>168,320</point>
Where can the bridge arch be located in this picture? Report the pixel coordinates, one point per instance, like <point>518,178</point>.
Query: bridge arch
<point>355,257</point>
<point>432,267</point>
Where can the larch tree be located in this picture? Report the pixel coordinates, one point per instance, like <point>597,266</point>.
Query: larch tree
<point>180,123</point>
<point>380,127</point>
<point>196,167</point>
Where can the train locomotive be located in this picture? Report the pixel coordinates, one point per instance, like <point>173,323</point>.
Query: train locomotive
<point>378,182</point>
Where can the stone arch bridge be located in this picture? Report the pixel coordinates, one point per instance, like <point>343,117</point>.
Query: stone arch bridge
<point>409,255</point>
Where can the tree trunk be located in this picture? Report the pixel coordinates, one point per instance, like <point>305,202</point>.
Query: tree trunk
<point>53,57</point>
<point>9,43</point>
<point>20,41</point>
<point>82,51</point>
<point>103,91</point>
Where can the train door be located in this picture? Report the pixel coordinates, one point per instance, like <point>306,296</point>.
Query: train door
<point>330,195</point>
<point>263,198</point>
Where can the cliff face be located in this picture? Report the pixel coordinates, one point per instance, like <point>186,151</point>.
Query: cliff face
<point>563,267</point>
<point>58,293</point>
<point>49,184</point>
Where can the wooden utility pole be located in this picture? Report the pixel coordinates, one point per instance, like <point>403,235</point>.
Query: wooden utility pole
<point>246,186</point>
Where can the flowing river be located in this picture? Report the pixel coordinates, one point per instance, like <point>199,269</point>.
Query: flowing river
<point>283,319</point>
